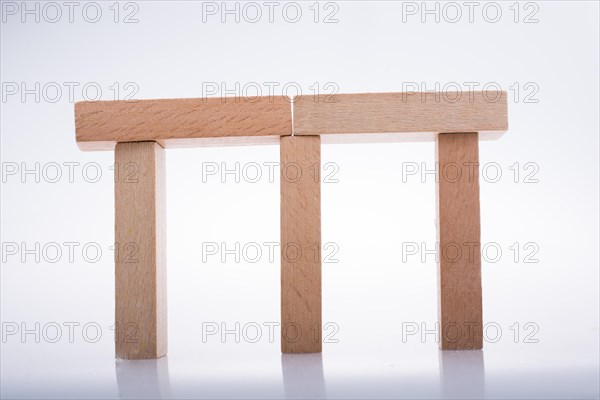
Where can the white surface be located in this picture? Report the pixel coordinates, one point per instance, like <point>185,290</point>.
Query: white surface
<point>370,293</point>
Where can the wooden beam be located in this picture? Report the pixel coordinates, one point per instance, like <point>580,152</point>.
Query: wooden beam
<point>183,122</point>
<point>140,251</point>
<point>300,244</point>
<point>356,118</point>
<point>459,265</point>
<point>343,118</point>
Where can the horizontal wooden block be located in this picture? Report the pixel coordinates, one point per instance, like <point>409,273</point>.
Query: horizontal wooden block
<point>183,122</point>
<point>356,118</point>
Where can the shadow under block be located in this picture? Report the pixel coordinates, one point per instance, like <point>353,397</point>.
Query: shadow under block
<point>300,244</point>
<point>400,117</point>
<point>459,265</point>
<point>183,122</point>
<point>140,251</point>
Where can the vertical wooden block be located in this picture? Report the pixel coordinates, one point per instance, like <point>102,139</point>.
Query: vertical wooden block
<point>459,265</point>
<point>140,251</point>
<point>300,244</point>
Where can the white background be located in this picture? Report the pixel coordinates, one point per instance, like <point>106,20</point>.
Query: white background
<point>550,69</point>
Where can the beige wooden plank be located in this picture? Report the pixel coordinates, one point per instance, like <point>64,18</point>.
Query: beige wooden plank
<point>355,118</point>
<point>459,266</point>
<point>300,244</point>
<point>140,242</point>
<point>183,122</point>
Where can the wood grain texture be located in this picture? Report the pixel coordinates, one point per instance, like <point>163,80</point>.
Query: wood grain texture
<point>408,116</point>
<point>140,256</point>
<point>459,266</point>
<point>300,244</point>
<point>183,122</point>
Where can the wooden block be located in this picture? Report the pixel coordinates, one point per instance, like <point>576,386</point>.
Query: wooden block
<point>300,244</point>
<point>459,266</point>
<point>140,251</point>
<point>183,122</point>
<point>355,118</point>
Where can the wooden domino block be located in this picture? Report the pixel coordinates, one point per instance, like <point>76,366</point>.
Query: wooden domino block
<point>140,251</point>
<point>300,244</point>
<point>400,117</point>
<point>459,266</point>
<point>183,122</point>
